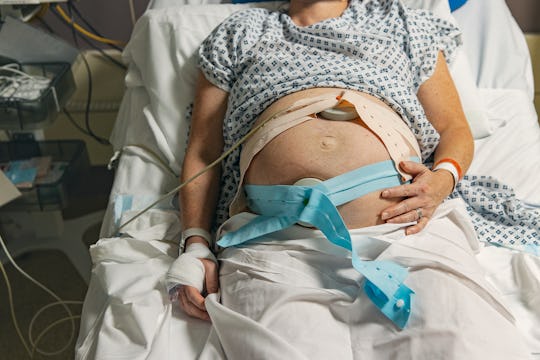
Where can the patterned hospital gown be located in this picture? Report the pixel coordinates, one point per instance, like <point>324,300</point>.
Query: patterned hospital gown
<point>378,46</point>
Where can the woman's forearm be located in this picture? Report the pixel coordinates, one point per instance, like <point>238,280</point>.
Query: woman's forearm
<point>442,106</point>
<point>198,199</point>
<point>456,143</point>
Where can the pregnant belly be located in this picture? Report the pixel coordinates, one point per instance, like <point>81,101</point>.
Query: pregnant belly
<point>323,149</point>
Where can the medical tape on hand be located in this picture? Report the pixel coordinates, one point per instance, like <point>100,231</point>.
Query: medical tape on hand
<point>188,269</point>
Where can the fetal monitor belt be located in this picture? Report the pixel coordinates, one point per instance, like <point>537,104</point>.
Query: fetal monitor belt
<point>380,119</point>
<point>282,206</point>
<point>339,113</point>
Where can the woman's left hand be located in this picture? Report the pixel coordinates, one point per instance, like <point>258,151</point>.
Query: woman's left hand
<point>422,197</point>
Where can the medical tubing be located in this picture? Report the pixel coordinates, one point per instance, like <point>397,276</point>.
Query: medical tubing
<point>48,291</point>
<point>46,330</point>
<point>38,313</point>
<point>12,310</point>
<point>214,163</point>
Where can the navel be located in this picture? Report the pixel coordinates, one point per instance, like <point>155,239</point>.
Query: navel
<point>328,143</point>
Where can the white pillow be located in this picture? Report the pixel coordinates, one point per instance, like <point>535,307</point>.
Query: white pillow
<point>495,46</point>
<point>161,78</point>
<point>460,69</point>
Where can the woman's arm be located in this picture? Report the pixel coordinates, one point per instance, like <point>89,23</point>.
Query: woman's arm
<point>441,103</point>
<point>440,100</point>
<point>198,199</point>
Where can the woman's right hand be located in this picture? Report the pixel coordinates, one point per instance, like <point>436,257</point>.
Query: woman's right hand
<point>191,301</point>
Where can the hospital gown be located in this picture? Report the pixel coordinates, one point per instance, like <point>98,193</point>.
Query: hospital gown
<point>379,47</point>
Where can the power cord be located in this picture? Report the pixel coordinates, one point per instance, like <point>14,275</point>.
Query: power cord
<point>85,39</point>
<point>69,19</point>
<point>99,139</point>
<point>88,130</point>
<point>74,123</point>
<point>87,23</point>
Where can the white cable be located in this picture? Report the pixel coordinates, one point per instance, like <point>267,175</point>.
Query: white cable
<point>46,330</point>
<point>132,12</point>
<point>9,68</point>
<point>33,342</point>
<point>12,310</point>
<point>55,97</point>
<point>215,162</point>
<point>47,290</point>
<point>40,82</point>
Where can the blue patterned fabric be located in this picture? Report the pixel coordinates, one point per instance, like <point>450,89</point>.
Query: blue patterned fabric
<point>499,217</point>
<point>378,47</point>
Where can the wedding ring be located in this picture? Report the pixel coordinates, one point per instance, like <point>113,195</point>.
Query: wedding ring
<point>419,213</point>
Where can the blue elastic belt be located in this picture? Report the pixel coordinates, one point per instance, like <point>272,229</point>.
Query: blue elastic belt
<point>281,206</point>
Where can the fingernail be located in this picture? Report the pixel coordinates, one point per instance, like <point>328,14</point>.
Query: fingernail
<point>384,215</point>
<point>385,193</point>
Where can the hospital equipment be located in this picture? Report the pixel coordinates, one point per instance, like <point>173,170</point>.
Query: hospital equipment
<point>125,310</point>
<point>281,206</point>
<point>22,9</point>
<point>340,114</point>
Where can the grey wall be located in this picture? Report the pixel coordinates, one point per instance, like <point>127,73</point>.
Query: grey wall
<point>112,17</point>
<point>527,14</point>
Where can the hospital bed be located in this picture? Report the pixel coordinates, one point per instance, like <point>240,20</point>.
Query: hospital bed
<point>127,313</point>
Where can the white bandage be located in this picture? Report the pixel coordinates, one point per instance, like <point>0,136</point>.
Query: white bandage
<point>187,269</point>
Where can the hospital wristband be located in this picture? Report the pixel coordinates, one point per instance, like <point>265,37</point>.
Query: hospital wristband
<point>186,234</point>
<point>451,166</point>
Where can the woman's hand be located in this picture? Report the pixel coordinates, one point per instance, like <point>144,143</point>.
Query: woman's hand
<point>422,197</point>
<point>191,301</point>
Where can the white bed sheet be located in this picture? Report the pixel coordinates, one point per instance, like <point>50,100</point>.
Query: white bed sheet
<point>512,153</point>
<point>495,46</point>
<point>126,312</point>
<point>127,315</point>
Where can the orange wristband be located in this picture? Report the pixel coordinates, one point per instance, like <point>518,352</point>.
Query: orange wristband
<point>453,162</point>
